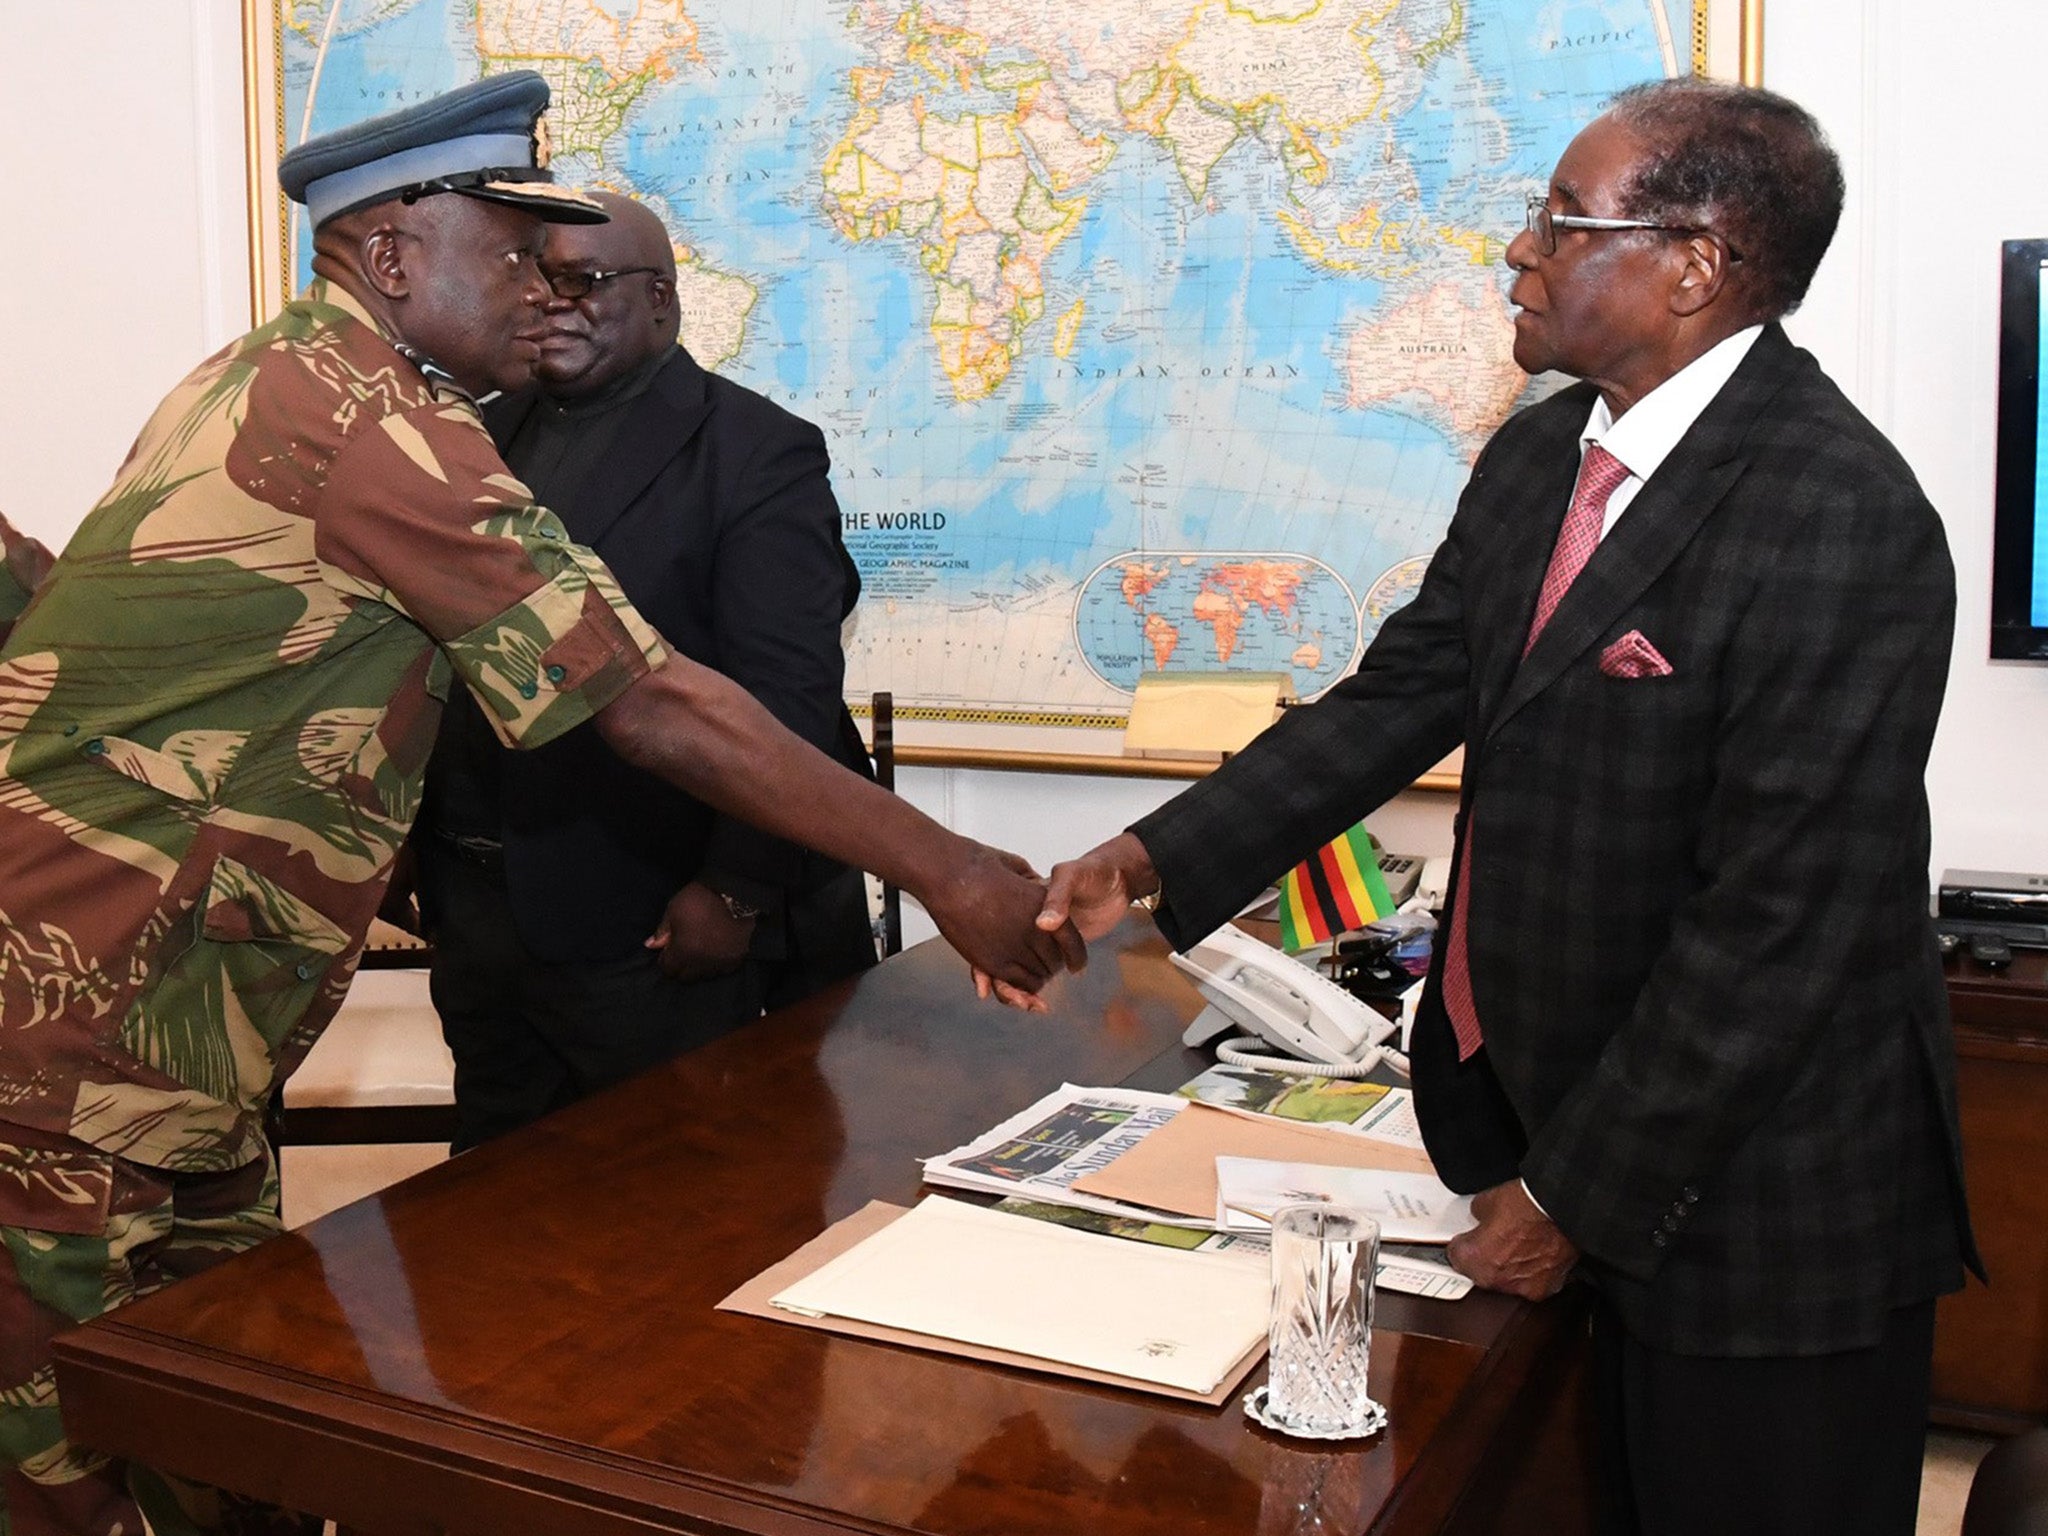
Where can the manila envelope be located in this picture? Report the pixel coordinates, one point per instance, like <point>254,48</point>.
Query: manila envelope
<point>1174,1168</point>
<point>752,1299</point>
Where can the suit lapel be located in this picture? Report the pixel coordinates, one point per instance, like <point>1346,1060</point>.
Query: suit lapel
<point>656,428</point>
<point>1658,525</point>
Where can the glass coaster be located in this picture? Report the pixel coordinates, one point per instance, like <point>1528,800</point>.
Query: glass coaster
<point>1255,1410</point>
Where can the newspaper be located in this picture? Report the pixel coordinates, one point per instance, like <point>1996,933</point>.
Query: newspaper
<point>1039,1153</point>
<point>1410,1270</point>
<point>1343,1104</point>
<point>1249,1245</point>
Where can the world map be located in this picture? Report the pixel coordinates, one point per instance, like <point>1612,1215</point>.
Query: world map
<point>1146,335</point>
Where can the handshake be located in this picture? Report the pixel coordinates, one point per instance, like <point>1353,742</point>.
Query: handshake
<point>1018,929</point>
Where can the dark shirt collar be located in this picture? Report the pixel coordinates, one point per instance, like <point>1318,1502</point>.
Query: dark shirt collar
<point>627,387</point>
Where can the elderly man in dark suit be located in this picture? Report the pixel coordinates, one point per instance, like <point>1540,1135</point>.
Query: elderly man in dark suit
<point>590,920</point>
<point>1686,1030</point>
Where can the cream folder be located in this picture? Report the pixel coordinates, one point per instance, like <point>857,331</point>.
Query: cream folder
<point>958,1271</point>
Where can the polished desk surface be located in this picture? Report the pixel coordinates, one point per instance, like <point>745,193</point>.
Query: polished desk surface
<point>524,1338</point>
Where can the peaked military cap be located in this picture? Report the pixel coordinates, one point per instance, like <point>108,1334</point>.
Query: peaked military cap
<point>486,140</point>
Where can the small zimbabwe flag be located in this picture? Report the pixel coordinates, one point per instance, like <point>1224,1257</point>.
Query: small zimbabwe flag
<point>1340,887</point>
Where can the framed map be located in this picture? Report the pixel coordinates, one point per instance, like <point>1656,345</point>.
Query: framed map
<point>1145,334</point>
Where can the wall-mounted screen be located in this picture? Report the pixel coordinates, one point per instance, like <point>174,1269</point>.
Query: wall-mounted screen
<point>2019,558</point>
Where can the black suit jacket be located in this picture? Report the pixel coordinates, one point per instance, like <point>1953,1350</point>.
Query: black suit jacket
<point>1717,1043</point>
<point>714,512</point>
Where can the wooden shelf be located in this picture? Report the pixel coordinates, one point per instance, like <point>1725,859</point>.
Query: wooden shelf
<point>1991,1342</point>
<point>1437,781</point>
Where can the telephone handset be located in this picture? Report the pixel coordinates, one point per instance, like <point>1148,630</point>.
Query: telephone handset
<point>1325,1031</point>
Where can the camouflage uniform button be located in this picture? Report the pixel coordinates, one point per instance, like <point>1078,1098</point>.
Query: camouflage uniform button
<point>71,730</point>
<point>305,972</point>
<point>95,747</point>
<point>528,690</point>
<point>551,533</point>
<point>557,673</point>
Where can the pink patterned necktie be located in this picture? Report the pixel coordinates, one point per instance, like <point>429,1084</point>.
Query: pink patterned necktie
<point>1600,476</point>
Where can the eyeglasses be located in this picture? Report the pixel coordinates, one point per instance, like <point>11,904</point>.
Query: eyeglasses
<point>577,285</point>
<point>1544,225</point>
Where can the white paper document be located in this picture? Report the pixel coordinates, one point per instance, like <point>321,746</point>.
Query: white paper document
<point>1410,1207</point>
<point>1413,1273</point>
<point>958,1271</point>
<point>1393,1119</point>
<point>1038,1153</point>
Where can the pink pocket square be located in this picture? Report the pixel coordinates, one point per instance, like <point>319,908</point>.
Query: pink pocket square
<point>1634,656</point>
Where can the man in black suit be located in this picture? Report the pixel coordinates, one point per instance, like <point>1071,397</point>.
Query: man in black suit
<point>588,919</point>
<point>1686,1031</point>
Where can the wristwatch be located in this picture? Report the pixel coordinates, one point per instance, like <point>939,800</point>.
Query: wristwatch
<point>739,911</point>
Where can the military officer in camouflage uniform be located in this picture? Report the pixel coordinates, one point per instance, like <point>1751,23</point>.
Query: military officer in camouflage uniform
<point>214,718</point>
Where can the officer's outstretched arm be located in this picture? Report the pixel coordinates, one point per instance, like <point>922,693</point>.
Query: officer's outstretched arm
<point>708,736</point>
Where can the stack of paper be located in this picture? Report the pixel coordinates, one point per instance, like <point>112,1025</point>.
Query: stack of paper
<point>1129,1164</point>
<point>1042,1152</point>
<point>1174,1168</point>
<point>1410,1207</point>
<point>955,1271</point>
<point>1360,1108</point>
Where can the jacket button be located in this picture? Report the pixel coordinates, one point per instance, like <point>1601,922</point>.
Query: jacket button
<point>1659,1240</point>
<point>557,673</point>
<point>528,690</point>
<point>95,747</point>
<point>1692,1196</point>
<point>305,972</point>
<point>71,730</point>
<point>1670,1223</point>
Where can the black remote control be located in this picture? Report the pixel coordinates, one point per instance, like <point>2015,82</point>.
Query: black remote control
<point>1990,951</point>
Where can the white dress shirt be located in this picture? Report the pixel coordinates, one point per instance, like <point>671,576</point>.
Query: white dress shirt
<point>1647,432</point>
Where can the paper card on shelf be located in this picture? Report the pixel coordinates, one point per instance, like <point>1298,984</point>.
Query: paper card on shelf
<point>1410,1207</point>
<point>1174,1168</point>
<point>962,1272</point>
<point>1202,715</point>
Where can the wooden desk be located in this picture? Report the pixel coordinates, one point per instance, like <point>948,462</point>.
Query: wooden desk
<point>1991,1342</point>
<point>523,1340</point>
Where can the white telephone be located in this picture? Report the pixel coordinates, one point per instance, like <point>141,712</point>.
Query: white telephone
<point>1325,1031</point>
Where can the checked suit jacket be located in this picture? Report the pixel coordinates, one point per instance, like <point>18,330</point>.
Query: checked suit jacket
<point>714,512</point>
<point>1716,1035</point>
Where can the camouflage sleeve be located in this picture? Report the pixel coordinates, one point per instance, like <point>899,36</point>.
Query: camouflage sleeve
<point>420,513</point>
<point>24,562</point>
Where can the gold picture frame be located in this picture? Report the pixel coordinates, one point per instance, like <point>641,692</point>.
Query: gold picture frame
<point>1726,43</point>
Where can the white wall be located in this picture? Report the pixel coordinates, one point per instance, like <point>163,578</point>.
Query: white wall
<point>127,263</point>
<point>1937,115</point>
